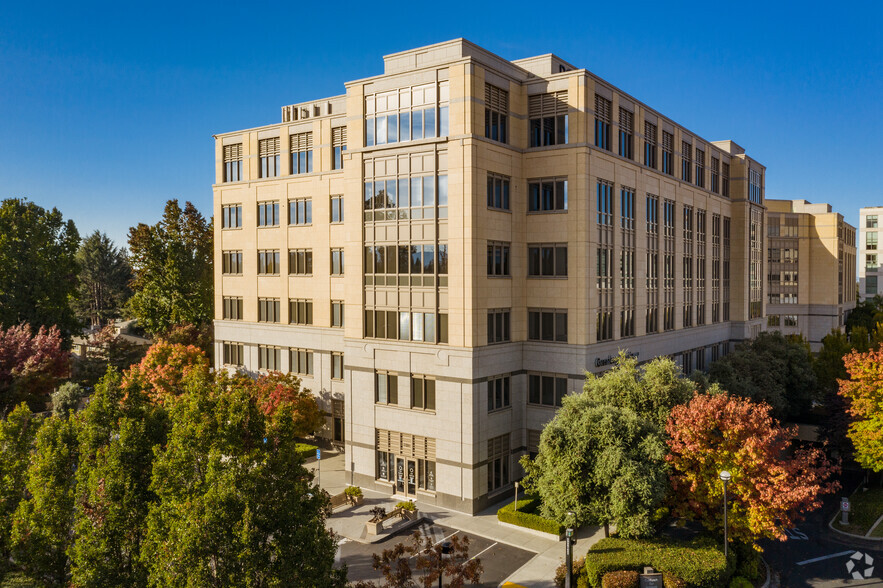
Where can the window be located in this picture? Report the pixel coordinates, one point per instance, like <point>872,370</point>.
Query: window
<point>268,214</point>
<point>725,179</point>
<point>233,353</point>
<point>233,308</point>
<point>407,114</point>
<point>338,147</point>
<point>498,191</point>
<point>546,324</point>
<point>871,261</point>
<point>871,241</point>
<point>231,216</point>
<point>415,197</point>
<point>300,211</point>
<point>602,122</point>
<point>546,389</point>
<point>547,260</point>
<point>715,174</point>
<point>871,221</point>
<point>700,167</point>
<point>269,358</point>
<point>755,186</point>
<point>498,393</point>
<point>268,151</point>
<point>547,195</point>
<point>300,311</point>
<point>627,208</point>
<point>686,163</point>
<point>498,462</point>
<point>789,320</point>
<point>337,262</point>
<point>422,393</point>
<point>497,259</point>
<point>406,326</point>
<point>231,262</point>
<point>496,111</point>
<point>337,313</point>
<point>301,153</point>
<point>233,162</point>
<point>773,320</point>
<point>336,366</point>
<point>300,262</point>
<point>386,388</point>
<point>548,118</point>
<point>268,310</point>
<point>337,209</point>
<point>268,262</point>
<point>626,133</point>
<point>870,284</point>
<point>498,326</point>
<point>668,142</point>
<point>650,145</point>
<point>605,203</point>
<point>301,362</point>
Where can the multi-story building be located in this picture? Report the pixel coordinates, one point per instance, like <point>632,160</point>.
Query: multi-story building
<point>443,252</point>
<point>869,260</point>
<point>809,250</point>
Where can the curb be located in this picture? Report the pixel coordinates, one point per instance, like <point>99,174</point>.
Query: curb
<point>769,574</point>
<point>853,535</point>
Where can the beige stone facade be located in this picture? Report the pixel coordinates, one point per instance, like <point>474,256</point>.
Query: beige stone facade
<point>870,258</point>
<point>493,230</point>
<point>811,269</point>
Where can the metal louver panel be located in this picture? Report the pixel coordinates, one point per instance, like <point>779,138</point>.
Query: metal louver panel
<point>338,137</point>
<point>496,98</point>
<point>550,104</point>
<point>268,147</point>
<point>233,152</point>
<point>668,141</point>
<point>649,132</point>
<point>602,108</point>
<point>301,141</point>
<point>626,120</point>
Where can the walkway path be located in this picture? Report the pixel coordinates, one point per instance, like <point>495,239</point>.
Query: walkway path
<point>537,573</point>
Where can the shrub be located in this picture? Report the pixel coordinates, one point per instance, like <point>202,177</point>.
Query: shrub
<point>561,571</point>
<point>17,580</point>
<point>669,580</point>
<point>407,505</point>
<point>66,398</point>
<point>525,517</point>
<point>748,561</point>
<point>306,451</point>
<point>353,491</point>
<point>620,579</point>
<point>740,582</point>
<point>698,562</point>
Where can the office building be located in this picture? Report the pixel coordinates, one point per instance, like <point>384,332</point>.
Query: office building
<point>442,251</point>
<point>869,284</point>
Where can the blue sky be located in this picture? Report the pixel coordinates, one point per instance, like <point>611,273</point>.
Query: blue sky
<point>108,109</point>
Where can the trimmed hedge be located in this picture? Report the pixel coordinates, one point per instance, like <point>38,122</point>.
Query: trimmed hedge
<point>306,451</point>
<point>620,579</point>
<point>740,582</point>
<point>525,516</point>
<point>698,562</point>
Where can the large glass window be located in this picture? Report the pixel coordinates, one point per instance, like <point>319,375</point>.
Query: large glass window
<point>268,150</point>
<point>268,310</point>
<point>498,326</point>
<point>496,113</point>
<point>498,191</point>
<point>650,139</point>
<point>233,162</point>
<point>268,214</point>
<point>301,153</point>
<point>498,462</point>
<point>231,216</point>
<point>603,106</point>
<point>548,119</point>
<point>498,393</point>
<point>547,195</point>
<point>626,133</point>
<point>545,324</point>
<point>268,262</point>
<point>300,211</point>
<point>497,259</point>
<point>422,393</point>
<point>386,388</point>
<point>546,389</point>
<point>407,114</point>
<point>338,147</point>
<point>547,260</point>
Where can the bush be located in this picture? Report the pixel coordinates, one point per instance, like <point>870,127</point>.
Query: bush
<point>353,491</point>
<point>620,579</point>
<point>698,562</point>
<point>407,505</point>
<point>525,517</point>
<point>66,398</point>
<point>306,451</point>
<point>669,580</point>
<point>17,580</point>
<point>561,571</point>
<point>740,582</point>
<point>748,561</point>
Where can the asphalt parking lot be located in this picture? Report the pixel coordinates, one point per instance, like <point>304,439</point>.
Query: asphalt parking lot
<point>498,560</point>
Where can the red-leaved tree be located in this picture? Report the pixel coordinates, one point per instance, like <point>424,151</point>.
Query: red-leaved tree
<point>864,391</point>
<point>276,389</point>
<point>30,365</point>
<point>164,368</point>
<point>771,487</point>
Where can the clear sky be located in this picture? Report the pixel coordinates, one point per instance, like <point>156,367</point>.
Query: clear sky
<point>108,109</point>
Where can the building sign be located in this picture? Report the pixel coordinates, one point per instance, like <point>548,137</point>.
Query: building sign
<point>602,361</point>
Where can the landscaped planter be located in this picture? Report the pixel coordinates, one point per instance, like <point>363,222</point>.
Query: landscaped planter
<point>374,527</point>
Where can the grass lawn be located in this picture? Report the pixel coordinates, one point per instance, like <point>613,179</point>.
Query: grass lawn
<point>866,508</point>
<point>16,580</point>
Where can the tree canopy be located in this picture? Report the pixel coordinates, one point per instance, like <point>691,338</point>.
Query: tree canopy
<point>771,487</point>
<point>31,364</point>
<point>172,262</point>
<point>105,274</point>
<point>864,393</point>
<point>38,269</point>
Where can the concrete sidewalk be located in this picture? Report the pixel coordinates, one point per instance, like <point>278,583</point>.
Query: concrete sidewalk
<point>539,572</point>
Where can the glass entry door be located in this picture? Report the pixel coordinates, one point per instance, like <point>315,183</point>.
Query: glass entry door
<point>400,475</point>
<point>412,477</point>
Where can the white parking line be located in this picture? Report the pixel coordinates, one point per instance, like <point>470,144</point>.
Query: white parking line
<point>480,552</point>
<point>824,557</point>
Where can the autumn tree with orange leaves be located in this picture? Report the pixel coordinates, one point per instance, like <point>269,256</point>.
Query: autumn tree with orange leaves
<point>771,487</point>
<point>864,392</point>
<point>164,368</point>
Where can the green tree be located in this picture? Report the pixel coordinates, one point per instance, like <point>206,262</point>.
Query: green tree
<point>38,269</point>
<point>172,262</point>
<point>864,393</point>
<point>773,369</point>
<point>105,349</point>
<point>867,314</point>
<point>651,391</point>
<point>17,433</point>
<point>604,463</point>
<point>66,398</point>
<point>105,274</point>
<point>233,509</point>
<point>117,433</point>
<point>829,368</point>
<point>42,524</point>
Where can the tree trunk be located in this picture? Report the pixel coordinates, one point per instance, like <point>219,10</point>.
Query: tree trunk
<point>606,529</point>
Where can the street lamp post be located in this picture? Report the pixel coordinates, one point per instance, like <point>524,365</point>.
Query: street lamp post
<point>568,550</point>
<point>446,549</point>
<point>516,496</point>
<point>725,478</point>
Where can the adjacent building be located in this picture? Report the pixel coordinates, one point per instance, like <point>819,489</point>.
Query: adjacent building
<point>443,251</point>
<point>809,250</point>
<point>869,261</point>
